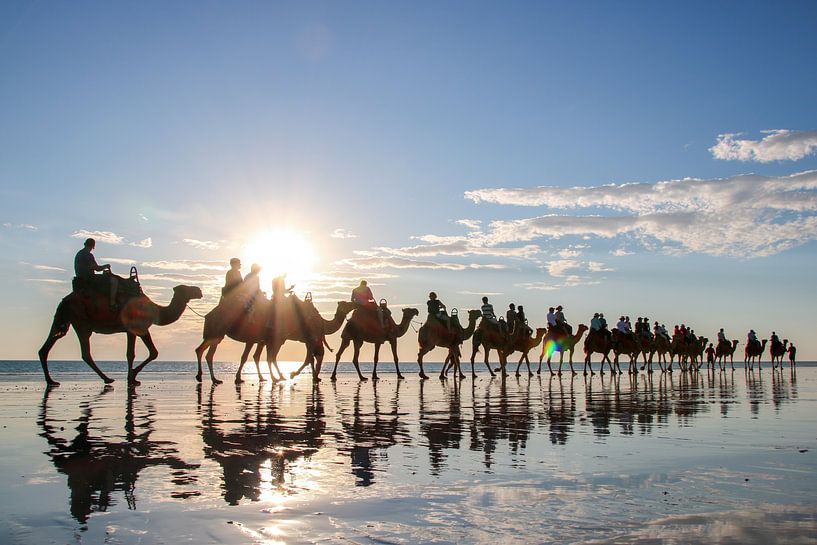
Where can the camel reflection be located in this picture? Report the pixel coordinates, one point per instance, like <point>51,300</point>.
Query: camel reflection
<point>256,449</point>
<point>98,467</point>
<point>368,434</point>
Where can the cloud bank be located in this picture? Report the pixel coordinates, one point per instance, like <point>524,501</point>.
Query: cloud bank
<point>778,145</point>
<point>742,216</point>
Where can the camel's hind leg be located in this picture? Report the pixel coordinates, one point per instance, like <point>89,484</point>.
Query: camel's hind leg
<point>85,348</point>
<point>153,353</point>
<point>244,356</point>
<point>393,344</point>
<point>56,333</point>
<point>344,343</point>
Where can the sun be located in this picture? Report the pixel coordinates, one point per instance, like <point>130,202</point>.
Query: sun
<point>281,252</point>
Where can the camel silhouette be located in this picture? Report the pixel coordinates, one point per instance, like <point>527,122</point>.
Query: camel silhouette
<point>90,313</point>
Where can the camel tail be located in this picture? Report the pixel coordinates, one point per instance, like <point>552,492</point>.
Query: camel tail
<point>59,328</point>
<point>326,344</point>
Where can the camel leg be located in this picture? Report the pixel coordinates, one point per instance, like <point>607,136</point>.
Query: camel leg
<point>272,360</point>
<point>200,349</point>
<point>570,361</point>
<point>43,353</point>
<point>244,356</point>
<point>85,348</point>
<point>344,343</point>
<point>458,359</point>
<point>153,353</point>
<point>393,343</point>
<point>209,358</point>
<point>518,365</point>
<point>256,358</point>
<point>376,359</point>
<point>356,345</point>
<point>487,364</point>
<point>423,351</point>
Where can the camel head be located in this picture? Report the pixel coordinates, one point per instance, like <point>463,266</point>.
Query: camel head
<point>474,315</point>
<point>345,307</point>
<point>410,312</point>
<point>187,293</point>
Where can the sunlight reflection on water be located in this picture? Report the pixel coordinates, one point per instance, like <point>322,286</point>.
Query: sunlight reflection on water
<point>654,458</point>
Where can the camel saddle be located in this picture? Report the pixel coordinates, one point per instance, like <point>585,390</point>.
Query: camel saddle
<point>126,288</point>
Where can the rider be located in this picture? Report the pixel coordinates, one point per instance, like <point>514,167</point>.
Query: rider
<point>551,317</point>
<point>251,288</point>
<point>436,309</point>
<point>487,310</point>
<point>722,337</point>
<point>510,318</point>
<point>561,321</point>
<point>522,321</point>
<point>595,323</point>
<point>363,297</point>
<point>233,277</point>
<point>775,340</point>
<point>751,337</point>
<point>85,267</point>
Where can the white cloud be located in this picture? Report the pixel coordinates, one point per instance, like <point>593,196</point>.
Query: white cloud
<point>117,260</point>
<point>46,280</point>
<point>471,225</point>
<point>621,252</point>
<point>742,216</point>
<point>778,145</point>
<point>186,265</point>
<point>146,243</point>
<point>107,237</point>
<point>342,233</point>
<point>20,226</point>
<point>392,262</point>
<point>48,268</point>
<point>202,244</point>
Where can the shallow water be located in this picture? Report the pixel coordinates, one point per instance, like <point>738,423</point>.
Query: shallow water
<point>725,457</point>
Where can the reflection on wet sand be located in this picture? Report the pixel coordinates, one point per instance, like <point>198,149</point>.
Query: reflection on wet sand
<point>97,466</point>
<point>269,444</point>
<point>255,447</point>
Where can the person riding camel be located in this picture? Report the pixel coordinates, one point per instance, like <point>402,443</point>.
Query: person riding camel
<point>436,310</point>
<point>562,322</point>
<point>251,289</point>
<point>487,310</point>
<point>522,320</point>
<point>595,323</point>
<point>551,317</point>
<point>279,289</point>
<point>85,269</point>
<point>233,278</point>
<point>363,297</point>
<point>621,326</point>
<point>510,318</point>
<point>775,340</point>
<point>751,338</point>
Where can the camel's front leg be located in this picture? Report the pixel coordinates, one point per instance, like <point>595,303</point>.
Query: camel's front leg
<point>272,359</point>
<point>393,343</point>
<point>245,354</point>
<point>200,350</point>
<point>376,360</point>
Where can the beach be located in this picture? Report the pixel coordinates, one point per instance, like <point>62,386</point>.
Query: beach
<point>719,457</point>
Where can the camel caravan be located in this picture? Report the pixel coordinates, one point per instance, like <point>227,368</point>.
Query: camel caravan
<point>106,303</point>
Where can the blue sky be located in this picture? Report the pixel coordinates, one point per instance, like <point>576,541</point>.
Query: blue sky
<point>187,130</point>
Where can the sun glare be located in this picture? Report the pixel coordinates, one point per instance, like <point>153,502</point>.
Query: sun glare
<point>281,251</point>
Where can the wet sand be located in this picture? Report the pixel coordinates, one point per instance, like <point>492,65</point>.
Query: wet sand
<point>727,457</point>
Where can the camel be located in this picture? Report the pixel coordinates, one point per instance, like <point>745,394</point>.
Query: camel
<point>365,326</point>
<point>308,327</point>
<point>661,346</point>
<point>433,333</point>
<point>89,313</point>
<point>230,319</point>
<point>688,352</point>
<point>559,341</point>
<point>491,336</point>
<point>627,344</point>
<point>526,344</point>
<point>778,350</point>
<point>723,350</point>
<point>601,343</point>
<point>754,350</point>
